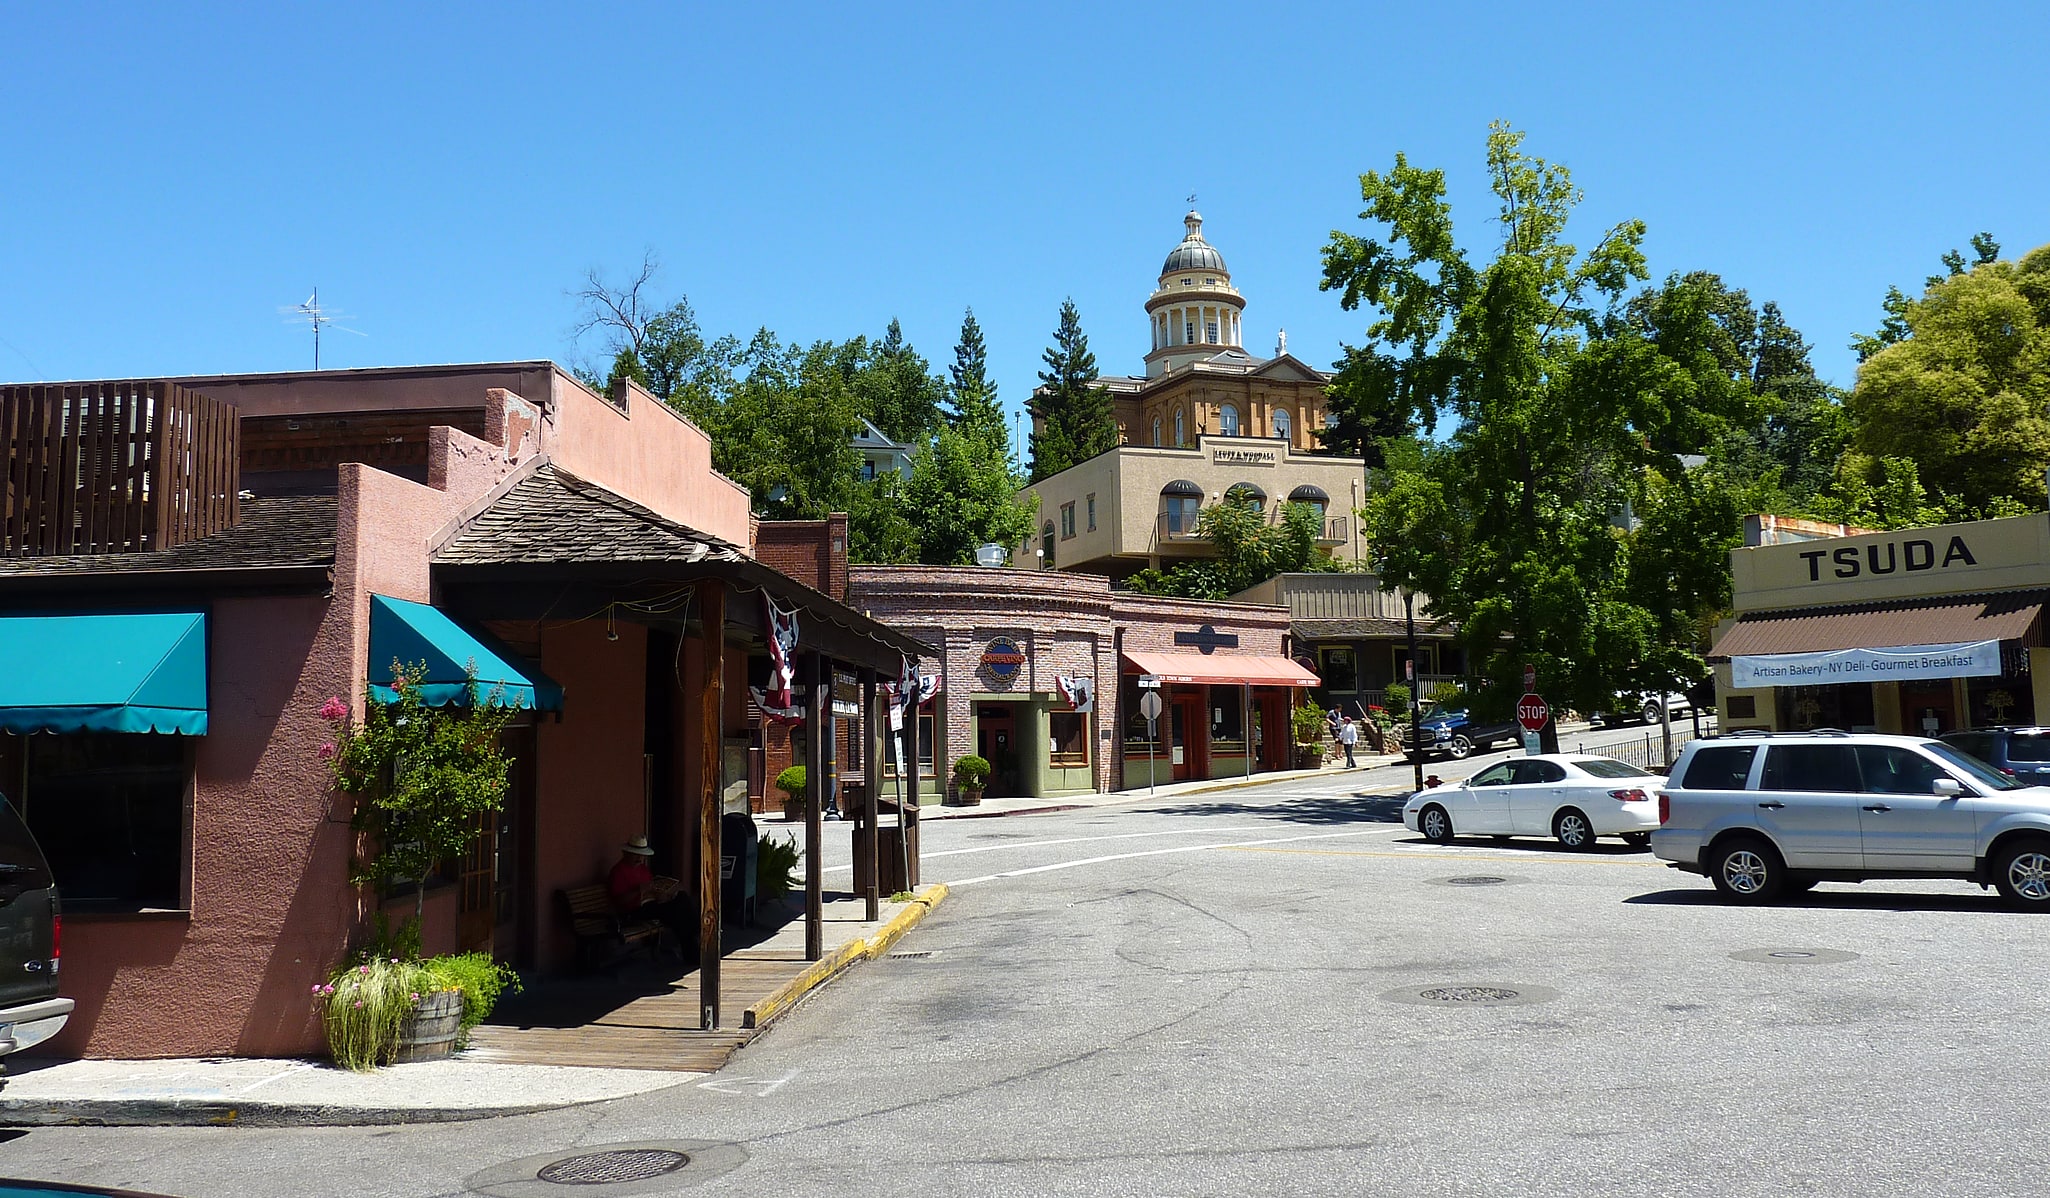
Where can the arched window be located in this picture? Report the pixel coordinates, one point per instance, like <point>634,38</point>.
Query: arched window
<point>1282,426</point>
<point>1046,546</point>
<point>1180,437</point>
<point>1156,430</point>
<point>1181,502</point>
<point>1228,421</point>
<point>1247,493</point>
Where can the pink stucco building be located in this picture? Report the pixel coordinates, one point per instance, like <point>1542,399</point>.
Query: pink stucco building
<point>582,539</point>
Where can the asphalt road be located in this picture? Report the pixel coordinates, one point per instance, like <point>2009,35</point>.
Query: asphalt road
<point>1223,995</point>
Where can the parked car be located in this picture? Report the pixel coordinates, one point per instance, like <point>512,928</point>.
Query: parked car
<point>1766,814</point>
<point>1456,735</point>
<point>31,930</point>
<point>1646,706</point>
<point>1570,797</point>
<point>2021,753</point>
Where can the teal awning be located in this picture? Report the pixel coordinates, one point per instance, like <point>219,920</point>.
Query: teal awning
<point>408,632</point>
<point>104,672</point>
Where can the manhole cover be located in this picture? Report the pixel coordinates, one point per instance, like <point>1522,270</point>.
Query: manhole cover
<point>1467,994</point>
<point>606,1168</point>
<point>1472,994</point>
<point>1795,956</point>
<point>1476,880</point>
<point>920,955</point>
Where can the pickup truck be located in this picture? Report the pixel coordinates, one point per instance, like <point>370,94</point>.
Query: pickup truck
<point>1456,735</point>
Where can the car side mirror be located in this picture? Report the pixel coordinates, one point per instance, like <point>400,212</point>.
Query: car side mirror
<point>1948,788</point>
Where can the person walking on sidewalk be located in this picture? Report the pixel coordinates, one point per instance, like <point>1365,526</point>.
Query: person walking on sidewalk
<point>1349,735</point>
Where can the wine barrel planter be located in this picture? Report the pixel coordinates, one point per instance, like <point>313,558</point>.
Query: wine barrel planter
<point>429,1033</point>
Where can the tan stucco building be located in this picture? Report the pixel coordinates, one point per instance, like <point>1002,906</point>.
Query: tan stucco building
<point>1919,630</point>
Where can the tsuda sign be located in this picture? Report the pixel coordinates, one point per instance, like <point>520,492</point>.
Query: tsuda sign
<point>1912,555</point>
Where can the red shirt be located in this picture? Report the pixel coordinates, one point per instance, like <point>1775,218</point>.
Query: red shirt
<point>628,876</point>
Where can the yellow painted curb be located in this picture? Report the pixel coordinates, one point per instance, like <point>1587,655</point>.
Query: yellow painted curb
<point>863,948</point>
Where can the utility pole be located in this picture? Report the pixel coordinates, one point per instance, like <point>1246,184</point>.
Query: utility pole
<point>1416,732</point>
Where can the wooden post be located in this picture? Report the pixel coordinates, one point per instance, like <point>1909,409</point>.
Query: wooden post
<point>907,821</point>
<point>872,772</point>
<point>711,735</point>
<point>818,701</point>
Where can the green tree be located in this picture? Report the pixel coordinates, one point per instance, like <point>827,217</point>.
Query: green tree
<point>896,387</point>
<point>1072,416</point>
<point>961,495</point>
<point>1247,550</point>
<point>1965,394</point>
<point>972,405</point>
<point>1562,404</point>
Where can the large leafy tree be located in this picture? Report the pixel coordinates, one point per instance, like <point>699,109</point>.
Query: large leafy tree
<point>896,387</point>
<point>1961,388</point>
<point>1247,550</point>
<point>964,487</point>
<point>1561,405</point>
<point>1073,420</point>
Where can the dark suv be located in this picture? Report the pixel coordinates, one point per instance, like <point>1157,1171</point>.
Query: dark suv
<point>31,926</point>
<point>2021,753</point>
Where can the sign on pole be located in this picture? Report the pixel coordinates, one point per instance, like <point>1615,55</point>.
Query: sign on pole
<point>1529,679</point>
<point>1533,713</point>
<point>1149,706</point>
<point>1149,682</point>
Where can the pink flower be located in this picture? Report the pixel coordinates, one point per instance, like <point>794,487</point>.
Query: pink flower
<point>359,1002</point>
<point>328,751</point>
<point>416,998</point>
<point>363,969</point>
<point>334,709</point>
<point>316,988</point>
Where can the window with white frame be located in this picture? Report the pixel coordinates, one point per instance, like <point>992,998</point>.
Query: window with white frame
<point>1156,430</point>
<point>1281,423</point>
<point>1228,421</point>
<point>1180,437</point>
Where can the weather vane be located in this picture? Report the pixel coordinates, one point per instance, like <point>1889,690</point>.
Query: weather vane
<point>1192,199</point>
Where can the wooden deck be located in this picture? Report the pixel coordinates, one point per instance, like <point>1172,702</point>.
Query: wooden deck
<point>645,1017</point>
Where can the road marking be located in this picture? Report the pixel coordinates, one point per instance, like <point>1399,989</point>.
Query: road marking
<point>287,1071</point>
<point>1457,855</point>
<point>752,1087</point>
<point>1186,848</point>
<point>1039,844</point>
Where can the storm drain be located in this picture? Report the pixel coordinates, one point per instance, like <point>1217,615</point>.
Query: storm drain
<point>920,955</point>
<point>1795,956</point>
<point>1473,994</point>
<point>608,1168</point>
<point>1476,880</point>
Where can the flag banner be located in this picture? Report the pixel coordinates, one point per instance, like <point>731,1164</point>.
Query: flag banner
<point>1966,659</point>
<point>782,629</point>
<point>1079,691</point>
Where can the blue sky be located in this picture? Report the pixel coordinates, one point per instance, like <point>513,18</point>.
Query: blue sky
<point>447,175</point>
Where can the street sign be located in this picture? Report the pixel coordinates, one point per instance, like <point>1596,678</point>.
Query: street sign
<point>1533,713</point>
<point>1529,679</point>
<point>1149,682</point>
<point>1409,668</point>
<point>1149,705</point>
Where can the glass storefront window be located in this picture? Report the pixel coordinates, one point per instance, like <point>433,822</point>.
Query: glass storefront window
<point>1067,734</point>
<point>1227,722</point>
<point>1340,673</point>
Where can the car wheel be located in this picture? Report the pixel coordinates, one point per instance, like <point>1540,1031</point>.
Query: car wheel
<point>1460,748</point>
<point>1637,840</point>
<point>1652,712</point>
<point>1747,870</point>
<point>1573,829</point>
<point>2022,872</point>
<point>1436,824</point>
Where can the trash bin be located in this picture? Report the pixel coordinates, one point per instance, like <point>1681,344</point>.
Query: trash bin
<point>739,843</point>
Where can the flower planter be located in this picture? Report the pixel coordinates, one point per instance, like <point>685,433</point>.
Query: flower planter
<point>971,798</point>
<point>429,1033</point>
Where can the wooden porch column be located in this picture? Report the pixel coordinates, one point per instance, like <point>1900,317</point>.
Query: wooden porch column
<point>711,735</point>
<point>872,771</point>
<point>818,702</point>
<point>908,820</point>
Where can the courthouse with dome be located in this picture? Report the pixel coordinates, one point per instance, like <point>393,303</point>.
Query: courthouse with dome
<point>1207,419</point>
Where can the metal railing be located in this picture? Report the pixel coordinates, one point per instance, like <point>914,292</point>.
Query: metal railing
<point>1648,752</point>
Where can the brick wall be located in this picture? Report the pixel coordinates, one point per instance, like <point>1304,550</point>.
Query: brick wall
<point>814,552</point>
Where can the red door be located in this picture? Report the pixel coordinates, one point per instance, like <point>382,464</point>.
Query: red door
<point>1188,738</point>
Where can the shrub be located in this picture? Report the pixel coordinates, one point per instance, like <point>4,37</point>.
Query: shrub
<point>776,863</point>
<point>1396,699</point>
<point>1309,725</point>
<point>1449,695</point>
<point>791,781</point>
<point>972,771</point>
<point>363,1007</point>
<point>481,980</point>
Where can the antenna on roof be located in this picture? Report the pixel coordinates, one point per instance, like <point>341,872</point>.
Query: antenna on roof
<point>311,313</point>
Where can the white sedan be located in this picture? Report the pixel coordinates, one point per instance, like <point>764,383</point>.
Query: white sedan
<point>1571,797</point>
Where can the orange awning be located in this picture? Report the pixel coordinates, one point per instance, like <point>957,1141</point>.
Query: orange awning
<point>1221,669</point>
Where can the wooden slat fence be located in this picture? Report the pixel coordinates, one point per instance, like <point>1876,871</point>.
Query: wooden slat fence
<point>115,467</point>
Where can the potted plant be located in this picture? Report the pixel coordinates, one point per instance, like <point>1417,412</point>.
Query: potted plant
<point>1309,729</point>
<point>386,1006</point>
<point>791,783</point>
<point>971,776</point>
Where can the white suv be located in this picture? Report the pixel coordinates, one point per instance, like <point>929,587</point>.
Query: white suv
<point>1764,815</point>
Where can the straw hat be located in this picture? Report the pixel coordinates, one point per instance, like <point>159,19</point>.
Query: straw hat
<point>638,846</point>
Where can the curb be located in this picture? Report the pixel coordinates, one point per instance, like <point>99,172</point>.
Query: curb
<point>36,1112</point>
<point>868,948</point>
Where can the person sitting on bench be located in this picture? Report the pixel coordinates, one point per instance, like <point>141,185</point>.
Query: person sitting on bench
<point>637,891</point>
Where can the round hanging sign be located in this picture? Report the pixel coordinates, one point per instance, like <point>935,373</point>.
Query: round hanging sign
<point>1003,659</point>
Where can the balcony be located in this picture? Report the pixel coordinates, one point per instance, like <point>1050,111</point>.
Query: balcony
<point>1337,531</point>
<point>1175,528</point>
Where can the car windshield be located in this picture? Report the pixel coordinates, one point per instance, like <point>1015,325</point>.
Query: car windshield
<point>1607,767</point>
<point>1965,763</point>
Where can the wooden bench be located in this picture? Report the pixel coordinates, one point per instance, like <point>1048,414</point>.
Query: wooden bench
<point>604,935</point>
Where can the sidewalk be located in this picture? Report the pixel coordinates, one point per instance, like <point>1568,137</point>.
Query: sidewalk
<point>479,1083</point>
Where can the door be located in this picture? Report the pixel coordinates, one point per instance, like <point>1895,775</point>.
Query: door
<point>1928,708</point>
<point>1807,800</point>
<point>1484,802</point>
<point>476,909</point>
<point>995,742</point>
<point>1537,791</point>
<point>1188,737</point>
<point>1904,825</point>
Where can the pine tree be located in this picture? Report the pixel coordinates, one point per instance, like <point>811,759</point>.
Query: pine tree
<point>972,406</point>
<point>897,389</point>
<point>1073,420</point>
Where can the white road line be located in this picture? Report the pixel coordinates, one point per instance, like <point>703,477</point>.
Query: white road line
<point>1187,848</point>
<point>1040,844</point>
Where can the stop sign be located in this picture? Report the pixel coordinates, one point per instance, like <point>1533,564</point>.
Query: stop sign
<point>1533,713</point>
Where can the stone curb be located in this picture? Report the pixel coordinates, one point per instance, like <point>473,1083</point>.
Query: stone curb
<point>157,1112</point>
<point>868,948</point>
